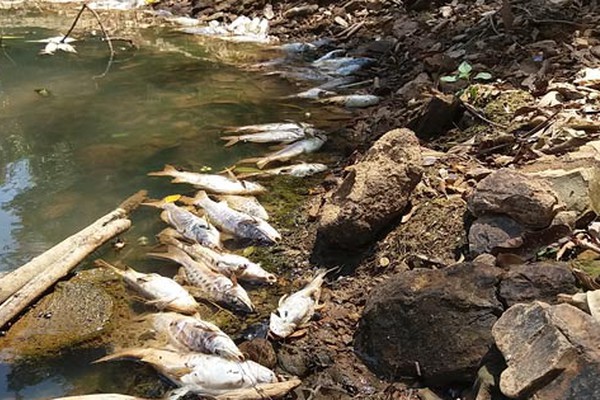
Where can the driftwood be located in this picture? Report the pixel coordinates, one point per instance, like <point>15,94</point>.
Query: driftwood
<point>22,286</point>
<point>263,391</point>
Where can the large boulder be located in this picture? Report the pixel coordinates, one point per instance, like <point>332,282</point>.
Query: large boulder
<point>528,200</point>
<point>536,281</point>
<point>552,352</point>
<point>435,324</point>
<point>375,191</point>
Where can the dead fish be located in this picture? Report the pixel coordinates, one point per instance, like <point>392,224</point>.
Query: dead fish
<point>311,94</point>
<point>195,334</point>
<point>217,287</point>
<point>267,137</point>
<point>246,204</point>
<point>297,309</point>
<point>225,263</point>
<point>247,228</point>
<point>162,292</point>
<point>274,126</point>
<point>298,170</point>
<point>191,226</point>
<point>307,145</point>
<point>297,47</point>
<point>202,373</point>
<point>353,100</point>
<point>343,65</point>
<point>336,83</point>
<point>332,54</point>
<point>210,182</point>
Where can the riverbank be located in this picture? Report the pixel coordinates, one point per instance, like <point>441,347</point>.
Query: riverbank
<point>436,233</point>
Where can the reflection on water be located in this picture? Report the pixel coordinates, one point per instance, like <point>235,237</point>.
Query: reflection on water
<point>72,152</point>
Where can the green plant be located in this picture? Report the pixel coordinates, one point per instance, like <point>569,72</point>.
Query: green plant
<point>464,72</point>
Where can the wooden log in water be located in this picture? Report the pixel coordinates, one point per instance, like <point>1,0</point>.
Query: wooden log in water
<point>21,287</point>
<point>262,391</point>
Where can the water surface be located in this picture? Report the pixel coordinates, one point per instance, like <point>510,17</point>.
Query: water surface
<point>73,147</point>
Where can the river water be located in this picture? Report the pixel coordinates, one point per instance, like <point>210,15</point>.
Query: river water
<point>72,147</point>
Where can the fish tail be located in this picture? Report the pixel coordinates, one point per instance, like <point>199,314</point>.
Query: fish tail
<point>168,170</point>
<point>168,236</point>
<point>231,140</point>
<point>199,197</point>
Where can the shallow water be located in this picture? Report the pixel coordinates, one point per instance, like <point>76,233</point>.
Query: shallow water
<point>74,151</point>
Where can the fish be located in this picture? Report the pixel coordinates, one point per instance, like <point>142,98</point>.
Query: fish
<point>270,136</point>
<point>311,94</point>
<point>296,310</point>
<point>202,374</point>
<point>248,229</point>
<point>195,335</point>
<point>353,100</point>
<point>246,204</point>
<point>216,286</point>
<point>225,263</point>
<point>210,182</point>
<point>337,83</point>
<point>298,170</point>
<point>162,292</point>
<point>191,226</point>
<point>308,145</point>
<point>330,55</point>
<point>344,65</point>
<point>274,126</point>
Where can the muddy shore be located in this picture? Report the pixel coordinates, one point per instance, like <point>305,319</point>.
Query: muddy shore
<point>482,188</point>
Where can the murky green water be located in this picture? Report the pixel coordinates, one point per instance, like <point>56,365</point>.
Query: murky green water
<point>73,154</point>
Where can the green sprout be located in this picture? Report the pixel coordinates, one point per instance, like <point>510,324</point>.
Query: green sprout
<point>464,72</point>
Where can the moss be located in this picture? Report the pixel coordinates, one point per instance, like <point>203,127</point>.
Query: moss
<point>501,109</point>
<point>592,267</point>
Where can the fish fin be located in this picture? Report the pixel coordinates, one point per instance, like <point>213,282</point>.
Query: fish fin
<point>262,163</point>
<point>230,173</point>
<point>298,334</point>
<point>127,354</point>
<point>179,372</point>
<point>172,254</point>
<point>249,160</point>
<point>201,195</point>
<point>169,236</point>
<point>168,170</point>
<point>178,180</point>
<point>231,140</point>
<point>103,264</point>
<point>234,279</point>
<point>282,299</point>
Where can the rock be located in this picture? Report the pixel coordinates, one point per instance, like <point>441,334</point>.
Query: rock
<point>573,186</point>
<point>413,89</point>
<point>294,360</point>
<point>537,281</point>
<point>439,320</point>
<point>437,117</point>
<point>261,351</point>
<point>76,312</point>
<point>527,200</point>
<point>374,193</point>
<point>491,231</point>
<point>551,351</point>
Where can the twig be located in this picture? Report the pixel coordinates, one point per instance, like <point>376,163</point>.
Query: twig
<point>477,114</point>
<point>83,7</point>
<point>106,37</point>
<point>108,42</point>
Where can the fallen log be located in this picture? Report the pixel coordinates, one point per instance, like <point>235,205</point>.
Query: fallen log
<point>22,286</point>
<point>262,391</point>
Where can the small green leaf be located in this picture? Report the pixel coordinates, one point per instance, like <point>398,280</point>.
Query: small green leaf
<point>484,76</point>
<point>465,68</point>
<point>449,78</point>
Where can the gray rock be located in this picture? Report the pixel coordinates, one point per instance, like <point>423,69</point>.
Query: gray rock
<point>528,200</point>
<point>552,352</point>
<point>491,231</point>
<point>438,319</point>
<point>537,281</point>
<point>374,193</point>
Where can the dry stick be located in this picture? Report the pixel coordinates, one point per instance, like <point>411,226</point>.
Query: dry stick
<point>106,37</point>
<point>46,269</point>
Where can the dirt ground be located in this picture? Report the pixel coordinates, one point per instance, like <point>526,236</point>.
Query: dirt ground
<point>525,47</point>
